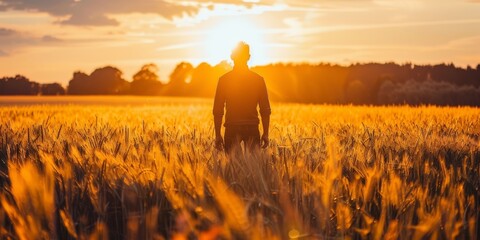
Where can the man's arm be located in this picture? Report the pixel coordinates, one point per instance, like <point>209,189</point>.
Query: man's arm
<point>266,126</point>
<point>218,125</point>
<point>265,112</point>
<point>218,109</point>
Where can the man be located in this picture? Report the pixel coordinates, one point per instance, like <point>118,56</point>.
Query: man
<point>240,91</point>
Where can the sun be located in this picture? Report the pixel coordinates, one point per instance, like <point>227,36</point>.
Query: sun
<point>224,36</point>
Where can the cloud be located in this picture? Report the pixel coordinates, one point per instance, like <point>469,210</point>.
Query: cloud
<point>237,2</point>
<point>229,10</point>
<point>102,12</point>
<point>6,32</point>
<point>98,12</point>
<point>50,39</point>
<point>11,40</point>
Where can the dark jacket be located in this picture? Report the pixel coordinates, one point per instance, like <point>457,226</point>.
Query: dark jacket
<point>240,91</point>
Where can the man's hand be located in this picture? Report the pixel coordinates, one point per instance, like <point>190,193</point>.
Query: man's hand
<point>219,142</point>
<point>264,141</point>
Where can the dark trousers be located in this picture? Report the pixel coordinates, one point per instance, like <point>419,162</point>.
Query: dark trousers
<point>248,134</point>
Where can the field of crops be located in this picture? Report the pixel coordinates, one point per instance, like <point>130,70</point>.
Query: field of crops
<point>150,171</point>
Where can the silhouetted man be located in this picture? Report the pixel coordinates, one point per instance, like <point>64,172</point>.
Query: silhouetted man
<point>240,91</point>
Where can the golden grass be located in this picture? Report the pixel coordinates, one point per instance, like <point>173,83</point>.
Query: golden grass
<point>151,172</point>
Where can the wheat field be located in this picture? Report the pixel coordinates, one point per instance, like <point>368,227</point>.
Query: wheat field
<point>150,171</point>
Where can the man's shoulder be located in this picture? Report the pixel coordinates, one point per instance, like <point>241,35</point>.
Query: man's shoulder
<point>233,74</point>
<point>226,75</point>
<point>255,75</point>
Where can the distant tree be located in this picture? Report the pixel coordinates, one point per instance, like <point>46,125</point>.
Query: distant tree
<point>52,89</point>
<point>204,78</point>
<point>322,83</point>
<point>201,75</point>
<point>179,80</point>
<point>78,84</point>
<point>106,81</point>
<point>355,92</point>
<point>18,85</point>
<point>147,72</point>
<point>359,83</point>
<point>146,81</point>
<point>428,92</point>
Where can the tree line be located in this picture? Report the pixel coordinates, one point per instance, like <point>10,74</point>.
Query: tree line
<point>20,85</point>
<point>367,83</point>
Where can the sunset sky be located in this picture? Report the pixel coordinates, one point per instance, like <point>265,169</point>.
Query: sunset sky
<point>47,40</point>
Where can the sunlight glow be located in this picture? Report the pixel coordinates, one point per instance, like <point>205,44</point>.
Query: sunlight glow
<point>223,37</point>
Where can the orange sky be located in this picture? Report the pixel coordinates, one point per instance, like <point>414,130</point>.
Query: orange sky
<point>48,40</point>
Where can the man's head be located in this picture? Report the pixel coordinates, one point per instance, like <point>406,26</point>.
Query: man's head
<point>241,54</point>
